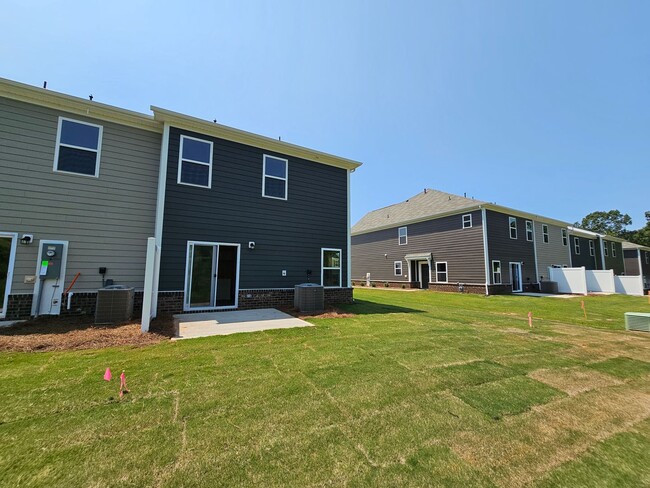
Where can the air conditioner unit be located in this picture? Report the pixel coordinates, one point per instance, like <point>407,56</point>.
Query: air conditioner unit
<point>114,304</point>
<point>637,321</point>
<point>309,297</point>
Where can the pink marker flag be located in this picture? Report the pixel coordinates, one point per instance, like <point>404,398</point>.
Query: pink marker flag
<point>582,306</point>
<point>530,319</point>
<point>108,376</point>
<point>123,388</point>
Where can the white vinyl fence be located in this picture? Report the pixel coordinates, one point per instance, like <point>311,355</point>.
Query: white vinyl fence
<point>629,285</point>
<point>150,296</point>
<point>600,281</point>
<point>569,280</point>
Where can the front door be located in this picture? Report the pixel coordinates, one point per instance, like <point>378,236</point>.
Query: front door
<point>212,276</point>
<point>7,252</point>
<point>424,275</point>
<point>515,277</point>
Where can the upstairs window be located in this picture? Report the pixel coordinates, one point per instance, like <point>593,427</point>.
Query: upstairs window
<point>441,272</point>
<point>606,249</point>
<point>195,162</point>
<point>529,230</point>
<point>576,245</point>
<point>78,146</point>
<point>592,248</point>
<point>496,272</point>
<point>467,221</point>
<point>398,268</point>
<point>512,224</point>
<point>402,236</point>
<point>613,249</point>
<point>565,238</point>
<point>545,233</point>
<point>275,177</point>
<point>331,268</point>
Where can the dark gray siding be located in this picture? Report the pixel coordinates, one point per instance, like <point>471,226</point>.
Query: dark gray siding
<point>288,234</point>
<point>645,263</point>
<point>502,248</point>
<point>631,257</point>
<point>616,263</point>
<point>106,220</point>
<point>584,259</point>
<point>445,238</point>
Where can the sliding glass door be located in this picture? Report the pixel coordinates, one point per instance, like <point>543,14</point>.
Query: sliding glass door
<point>212,275</point>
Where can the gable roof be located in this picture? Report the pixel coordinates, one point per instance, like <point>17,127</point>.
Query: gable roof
<point>423,206</point>
<point>632,245</point>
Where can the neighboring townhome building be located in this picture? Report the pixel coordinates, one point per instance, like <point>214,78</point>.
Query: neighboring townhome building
<point>596,251</point>
<point>448,242</point>
<point>78,184</point>
<point>637,261</point>
<point>244,218</point>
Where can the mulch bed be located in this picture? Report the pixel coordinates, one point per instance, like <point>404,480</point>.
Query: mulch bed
<point>58,333</point>
<point>328,313</point>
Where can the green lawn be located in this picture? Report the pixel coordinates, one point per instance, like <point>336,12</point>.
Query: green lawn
<point>415,389</point>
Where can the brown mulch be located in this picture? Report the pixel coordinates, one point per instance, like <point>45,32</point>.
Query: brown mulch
<point>59,333</point>
<point>328,313</point>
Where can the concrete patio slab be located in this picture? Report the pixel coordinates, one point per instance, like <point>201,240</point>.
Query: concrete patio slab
<point>191,325</point>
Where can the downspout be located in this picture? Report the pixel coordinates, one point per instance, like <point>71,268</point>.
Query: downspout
<point>349,263</point>
<point>486,256</point>
<point>602,252</point>
<point>535,250</point>
<point>160,212</point>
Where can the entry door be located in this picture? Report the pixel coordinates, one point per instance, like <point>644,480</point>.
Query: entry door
<point>424,275</point>
<point>515,277</point>
<point>7,252</point>
<point>212,276</point>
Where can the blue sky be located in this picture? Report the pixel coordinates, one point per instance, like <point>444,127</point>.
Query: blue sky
<point>540,106</point>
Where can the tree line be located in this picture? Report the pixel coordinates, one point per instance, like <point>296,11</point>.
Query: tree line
<point>614,223</point>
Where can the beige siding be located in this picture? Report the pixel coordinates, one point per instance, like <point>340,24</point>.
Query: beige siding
<point>106,220</point>
<point>553,252</point>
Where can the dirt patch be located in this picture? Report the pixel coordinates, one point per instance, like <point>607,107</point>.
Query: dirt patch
<point>58,333</point>
<point>574,380</point>
<point>328,313</point>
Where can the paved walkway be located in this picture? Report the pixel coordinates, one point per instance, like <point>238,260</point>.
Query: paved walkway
<point>190,325</point>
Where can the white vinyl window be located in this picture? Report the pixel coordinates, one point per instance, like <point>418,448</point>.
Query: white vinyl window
<point>565,238</point>
<point>467,221</point>
<point>606,249</point>
<point>613,249</point>
<point>529,230</point>
<point>441,272</point>
<point>576,245</point>
<point>331,267</point>
<point>398,268</point>
<point>545,233</point>
<point>78,147</point>
<point>512,224</point>
<point>276,177</point>
<point>195,162</point>
<point>496,272</point>
<point>402,236</point>
<point>592,248</point>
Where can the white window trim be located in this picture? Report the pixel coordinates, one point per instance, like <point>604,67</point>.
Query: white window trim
<point>59,144</point>
<point>565,237</point>
<point>203,163</point>
<point>576,246</point>
<point>510,228</point>
<point>592,248</point>
<point>469,222</point>
<point>545,234</point>
<point>529,230</point>
<point>395,266</point>
<point>494,281</point>
<point>446,271</point>
<point>406,236</point>
<point>323,268</point>
<point>613,249</point>
<point>606,248</point>
<point>265,176</point>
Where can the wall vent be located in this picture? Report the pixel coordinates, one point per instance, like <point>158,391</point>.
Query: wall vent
<point>114,304</point>
<point>637,321</point>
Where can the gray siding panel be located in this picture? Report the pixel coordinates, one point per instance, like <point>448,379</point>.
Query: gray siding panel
<point>552,252</point>
<point>502,248</point>
<point>288,234</point>
<point>106,220</point>
<point>462,249</point>
<point>584,259</point>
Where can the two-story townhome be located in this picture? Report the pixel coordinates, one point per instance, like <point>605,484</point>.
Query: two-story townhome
<point>448,242</point>
<point>239,218</point>
<point>78,185</point>
<point>596,251</point>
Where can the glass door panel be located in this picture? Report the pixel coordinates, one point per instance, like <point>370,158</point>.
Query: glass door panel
<point>202,283</point>
<point>5,254</point>
<point>226,276</point>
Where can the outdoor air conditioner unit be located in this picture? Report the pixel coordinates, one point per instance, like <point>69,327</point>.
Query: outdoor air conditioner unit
<point>309,297</point>
<point>114,304</point>
<point>637,321</point>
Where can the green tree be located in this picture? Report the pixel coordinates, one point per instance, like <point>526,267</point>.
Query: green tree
<point>642,235</point>
<point>612,223</point>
